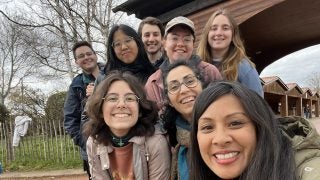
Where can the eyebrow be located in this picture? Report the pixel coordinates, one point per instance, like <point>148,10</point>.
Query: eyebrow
<point>207,118</point>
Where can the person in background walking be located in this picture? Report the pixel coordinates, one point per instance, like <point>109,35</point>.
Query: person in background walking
<point>221,45</point>
<point>151,32</point>
<point>124,140</point>
<point>81,87</point>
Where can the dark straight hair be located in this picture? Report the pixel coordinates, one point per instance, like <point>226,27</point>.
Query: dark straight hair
<point>141,66</point>
<point>273,157</point>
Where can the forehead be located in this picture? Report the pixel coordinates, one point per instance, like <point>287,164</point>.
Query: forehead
<point>180,30</point>
<point>119,87</point>
<point>150,28</point>
<point>119,34</point>
<point>221,19</point>
<point>83,49</point>
<point>179,72</point>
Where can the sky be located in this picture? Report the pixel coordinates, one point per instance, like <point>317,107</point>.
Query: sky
<point>297,67</point>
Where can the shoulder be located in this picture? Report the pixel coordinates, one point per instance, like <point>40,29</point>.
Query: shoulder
<point>310,169</point>
<point>155,76</point>
<point>209,70</point>
<point>245,63</point>
<point>77,81</point>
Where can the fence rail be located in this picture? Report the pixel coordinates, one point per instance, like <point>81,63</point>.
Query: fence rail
<point>45,140</point>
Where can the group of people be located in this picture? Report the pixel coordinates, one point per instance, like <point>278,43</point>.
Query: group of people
<point>157,111</point>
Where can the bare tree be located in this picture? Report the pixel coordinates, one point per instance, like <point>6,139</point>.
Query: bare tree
<point>15,64</point>
<point>314,81</point>
<point>60,23</point>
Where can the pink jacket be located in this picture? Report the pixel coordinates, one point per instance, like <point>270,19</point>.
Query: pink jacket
<point>154,86</point>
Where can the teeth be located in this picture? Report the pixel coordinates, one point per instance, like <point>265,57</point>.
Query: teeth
<point>188,99</point>
<point>226,156</point>
<point>121,115</point>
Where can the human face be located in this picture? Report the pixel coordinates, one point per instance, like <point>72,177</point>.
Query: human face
<point>226,137</point>
<point>151,37</point>
<point>125,47</point>
<point>179,44</point>
<point>220,35</point>
<point>183,100</point>
<point>120,116</point>
<point>86,59</point>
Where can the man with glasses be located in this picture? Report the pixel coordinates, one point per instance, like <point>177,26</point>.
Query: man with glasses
<point>178,43</point>
<point>81,87</point>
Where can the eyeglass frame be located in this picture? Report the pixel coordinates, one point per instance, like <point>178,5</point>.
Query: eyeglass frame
<point>183,82</point>
<point>125,41</point>
<point>83,55</point>
<point>176,38</point>
<point>104,99</point>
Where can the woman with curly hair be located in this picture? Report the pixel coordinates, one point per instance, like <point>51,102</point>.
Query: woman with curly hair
<point>124,141</point>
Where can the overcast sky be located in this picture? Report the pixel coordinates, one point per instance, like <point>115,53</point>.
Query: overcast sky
<point>297,67</point>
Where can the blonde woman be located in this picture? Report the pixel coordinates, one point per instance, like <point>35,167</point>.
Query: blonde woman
<point>222,46</point>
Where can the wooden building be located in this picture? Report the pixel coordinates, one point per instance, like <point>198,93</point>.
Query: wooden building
<point>271,29</point>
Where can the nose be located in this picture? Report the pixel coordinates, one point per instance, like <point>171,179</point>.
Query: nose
<point>221,137</point>
<point>151,38</point>
<point>124,45</point>
<point>121,103</point>
<point>184,88</point>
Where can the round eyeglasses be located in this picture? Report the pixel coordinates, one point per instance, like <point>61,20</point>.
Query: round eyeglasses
<point>115,98</point>
<point>189,81</point>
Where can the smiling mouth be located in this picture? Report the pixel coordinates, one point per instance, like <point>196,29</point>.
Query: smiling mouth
<point>226,155</point>
<point>187,99</point>
<point>121,115</point>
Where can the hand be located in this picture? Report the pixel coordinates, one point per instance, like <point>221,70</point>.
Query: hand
<point>89,89</point>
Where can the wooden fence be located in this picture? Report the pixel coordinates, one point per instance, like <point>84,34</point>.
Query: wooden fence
<point>45,141</point>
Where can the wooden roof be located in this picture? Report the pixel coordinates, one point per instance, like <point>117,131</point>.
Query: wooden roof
<point>270,29</point>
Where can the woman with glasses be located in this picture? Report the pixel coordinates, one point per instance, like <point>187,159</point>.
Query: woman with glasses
<point>182,84</point>
<point>124,141</point>
<point>126,52</point>
<point>221,45</point>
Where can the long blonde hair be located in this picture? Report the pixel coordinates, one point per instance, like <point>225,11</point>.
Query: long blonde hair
<point>235,53</point>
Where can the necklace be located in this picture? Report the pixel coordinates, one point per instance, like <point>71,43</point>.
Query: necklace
<point>120,141</point>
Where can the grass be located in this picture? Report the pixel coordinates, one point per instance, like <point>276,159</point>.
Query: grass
<point>42,153</point>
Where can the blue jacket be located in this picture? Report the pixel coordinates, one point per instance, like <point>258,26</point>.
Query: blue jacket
<point>72,110</point>
<point>249,77</point>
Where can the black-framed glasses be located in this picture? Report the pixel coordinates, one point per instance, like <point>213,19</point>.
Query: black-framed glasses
<point>114,99</point>
<point>189,81</point>
<point>126,41</point>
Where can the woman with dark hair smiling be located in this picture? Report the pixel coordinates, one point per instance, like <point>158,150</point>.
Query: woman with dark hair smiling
<point>124,141</point>
<point>126,52</point>
<point>182,84</point>
<point>236,135</point>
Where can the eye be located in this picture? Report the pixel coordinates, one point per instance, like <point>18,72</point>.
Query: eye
<point>112,98</point>
<point>236,124</point>
<point>205,128</point>
<point>213,28</point>
<point>146,35</point>
<point>127,41</point>
<point>116,44</point>
<point>174,86</point>
<point>131,98</point>
<point>81,56</point>
<point>226,28</point>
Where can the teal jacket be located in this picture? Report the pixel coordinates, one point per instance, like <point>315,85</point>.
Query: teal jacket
<point>306,143</point>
